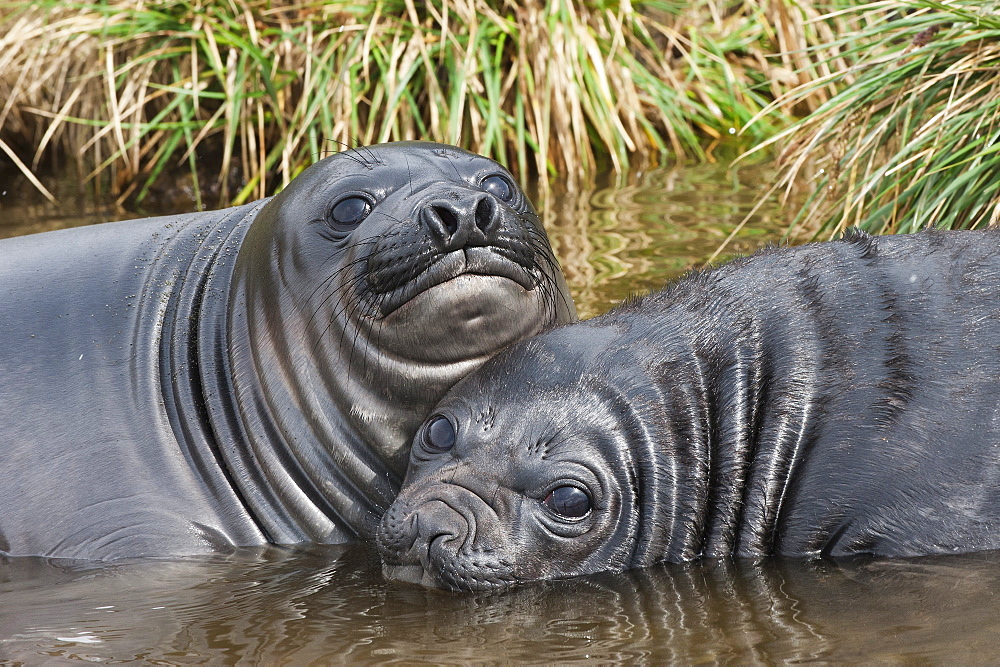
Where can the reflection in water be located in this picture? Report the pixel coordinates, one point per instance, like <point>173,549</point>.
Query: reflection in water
<point>636,235</point>
<point>331,605</point>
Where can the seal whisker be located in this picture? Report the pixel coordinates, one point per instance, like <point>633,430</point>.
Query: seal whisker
<point>370,342</point>
<point>332,276</point>
<point>384,214</point>
<point>343,304</point>
<point>409,173</point>
<point>347,154</point>
<point>342,296</point>
<point>338,142</point>
<point>354,349</point>
<point>373,154</point>
<point>343,292</point>
<point>549,287</point>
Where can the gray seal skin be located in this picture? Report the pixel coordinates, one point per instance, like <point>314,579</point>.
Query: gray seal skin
<point>183,384</point>
<point>825,401</point>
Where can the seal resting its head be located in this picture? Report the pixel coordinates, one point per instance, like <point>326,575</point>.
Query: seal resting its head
<point>830,400</point>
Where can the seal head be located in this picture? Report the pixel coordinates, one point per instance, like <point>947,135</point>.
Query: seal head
<point>361,293</point>
<point>523,487</point>
<point>185,384</point>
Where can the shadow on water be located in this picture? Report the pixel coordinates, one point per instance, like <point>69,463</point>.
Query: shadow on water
<point>23,210</point>
<point>331,605</point>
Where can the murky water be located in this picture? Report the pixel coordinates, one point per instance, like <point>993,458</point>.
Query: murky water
<point>633,236</point>
<point>330,605</point>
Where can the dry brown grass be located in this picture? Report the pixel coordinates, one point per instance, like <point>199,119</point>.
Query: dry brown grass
<point>242,94</point>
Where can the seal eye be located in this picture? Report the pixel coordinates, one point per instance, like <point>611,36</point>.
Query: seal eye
<point>568,501</point>
<point>349,212</point>
<point>499,187</point>
<point>438,435</point>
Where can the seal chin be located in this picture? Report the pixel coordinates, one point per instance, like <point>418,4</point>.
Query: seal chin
<point>483,262</point>
<point>456,572</point>
<point>458,292</point>
<point>483,314</point>
<point>409,574</point>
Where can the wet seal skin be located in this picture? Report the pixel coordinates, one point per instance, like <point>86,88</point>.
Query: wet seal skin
<point>831,400</point>
<point>183,384</point>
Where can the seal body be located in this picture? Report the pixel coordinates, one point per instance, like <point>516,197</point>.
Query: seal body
<point>184,384</point>
<point>829,400</point>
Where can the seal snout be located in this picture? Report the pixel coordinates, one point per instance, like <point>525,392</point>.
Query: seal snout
<point>449,232</point>
<point>432,543</point>
<point>462,221</point>
<point>407,535</point>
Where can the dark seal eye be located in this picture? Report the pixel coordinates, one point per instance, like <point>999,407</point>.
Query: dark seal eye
<point>499,187</point>
<point>568,501</point>
<point>349,212</point>
<point>439,434</point>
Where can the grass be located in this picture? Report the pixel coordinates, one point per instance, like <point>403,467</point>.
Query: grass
<point>240,95</point>
<point>912,138</point>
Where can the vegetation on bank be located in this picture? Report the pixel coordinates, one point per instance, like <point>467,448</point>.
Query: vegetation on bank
<point>255,90</point>
<point>885,111</point>
<point>912,138</point>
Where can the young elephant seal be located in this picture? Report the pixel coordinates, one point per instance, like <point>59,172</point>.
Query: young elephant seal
<point>183,384</point>
<point>823,401</point>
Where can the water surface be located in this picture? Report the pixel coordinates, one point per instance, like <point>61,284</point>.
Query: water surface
<point>331,605</point>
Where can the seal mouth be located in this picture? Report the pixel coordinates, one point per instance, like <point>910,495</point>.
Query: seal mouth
<point>466,261</point>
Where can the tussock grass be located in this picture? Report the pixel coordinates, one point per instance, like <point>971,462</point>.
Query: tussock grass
<point>912,138</point>
<point>242,94</point>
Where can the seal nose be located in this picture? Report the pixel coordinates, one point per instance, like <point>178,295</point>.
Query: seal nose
<point>404,534</point>
<point>464,221</point>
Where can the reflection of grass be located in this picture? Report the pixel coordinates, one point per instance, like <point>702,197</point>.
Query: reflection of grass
<point>636,234</point>
<point>915,139</point>
<point>255,89</point>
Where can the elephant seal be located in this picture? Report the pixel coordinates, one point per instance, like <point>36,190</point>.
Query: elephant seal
<point>183,384</point>
<point>828,400</point>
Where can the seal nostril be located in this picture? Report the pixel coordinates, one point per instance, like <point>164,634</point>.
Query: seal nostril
<point>486,214</point>
<point>448,218</point>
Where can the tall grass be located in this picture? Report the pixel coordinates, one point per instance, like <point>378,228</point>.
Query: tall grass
<point>914,139</point>
<point>242,94</point>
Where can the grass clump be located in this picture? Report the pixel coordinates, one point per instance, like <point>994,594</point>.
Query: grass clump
<point>254,90</point>
<point>913,139</point>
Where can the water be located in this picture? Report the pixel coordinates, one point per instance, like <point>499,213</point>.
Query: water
<point>331,605</point>
<point>633,236</point>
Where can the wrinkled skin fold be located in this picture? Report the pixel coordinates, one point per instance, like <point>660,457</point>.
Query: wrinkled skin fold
<point>831,400</point>
<point>186,384</point>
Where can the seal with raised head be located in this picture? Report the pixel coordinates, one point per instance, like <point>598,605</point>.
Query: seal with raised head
<point>183,384</point>
<point>829,400</point>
